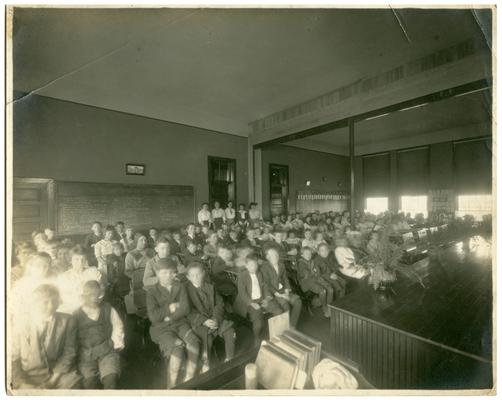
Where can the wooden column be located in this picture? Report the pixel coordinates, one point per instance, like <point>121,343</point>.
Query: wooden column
<point>352,174</point>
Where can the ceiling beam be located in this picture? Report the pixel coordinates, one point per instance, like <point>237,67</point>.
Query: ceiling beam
<point>464,64</point>
<point>482,84</point>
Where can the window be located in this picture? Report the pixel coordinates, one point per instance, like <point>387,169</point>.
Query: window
<point>476,205</point>
<point>414,205</point>
<point>376,205</point>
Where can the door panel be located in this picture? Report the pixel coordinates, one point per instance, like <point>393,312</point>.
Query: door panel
<point>279,189</point>
<point>30,208</point>
<point>222,180</point>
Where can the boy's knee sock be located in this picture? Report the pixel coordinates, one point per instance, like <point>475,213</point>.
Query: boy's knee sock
<point>174,366</point>
<point>229,337</point>
<point>110,381</point>
<point>192,360</point>
<point>295,311</point>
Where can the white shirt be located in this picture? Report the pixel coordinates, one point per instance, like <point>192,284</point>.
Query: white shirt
<point>276,267</point>
<point>229,213</point>
<point>70,285</point>
<point>203,216</point>
<point>117,325</point>
<point>255,287</point>
<point>101,250</point>
<point>309,243</point>
<point>218,213</point>
<point>345,258</point>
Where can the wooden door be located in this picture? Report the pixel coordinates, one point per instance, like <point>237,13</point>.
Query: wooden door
<point>30,207</point>
<point>222,180</point>
<point>279,189</point>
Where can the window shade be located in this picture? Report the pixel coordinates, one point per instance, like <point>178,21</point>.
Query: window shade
<point>473,166</point>
<point>413,171</point>
<point>376,175</point>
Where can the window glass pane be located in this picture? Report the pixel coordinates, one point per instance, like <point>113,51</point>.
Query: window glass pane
<point>414,205</point>
<point>376,205</point>
<point>476,205</point>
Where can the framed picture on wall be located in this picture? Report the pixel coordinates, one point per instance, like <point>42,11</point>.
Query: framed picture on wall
<point>135,169</point>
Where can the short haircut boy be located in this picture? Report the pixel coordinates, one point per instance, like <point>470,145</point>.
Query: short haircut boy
<point>167,263</point>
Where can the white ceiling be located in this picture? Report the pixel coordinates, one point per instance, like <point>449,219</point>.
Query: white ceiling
<point>217,69</point>
<point>471,110</point>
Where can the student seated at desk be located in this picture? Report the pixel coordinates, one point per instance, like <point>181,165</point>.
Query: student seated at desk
<point>168,308</point>
<point>191,253</point>
<point>254,298</point>
<point>250,240</point>
<point>277,282</point>
<point>71,282</point>
<point>326,262</point>
<point>153,236</point>
<point>308,240</point>
<point>163,250</point>
<point>222,282</point>
<point>207,314</point>
<point>232,240</point>
<point>211,247</point>
<point>311,279</point>
<point>24,251</point>
<point>118,281</point>
<point>345,257</point>
<point>217,216</point>
<point>104,248</point>
<point>279,245</point>
<point>176,242</point>
<point>241,216</point>
<point>129,240</point>
<point>44,345</point>
<point>100,337</point>
<point>91,239</point>
<point>193,235</point>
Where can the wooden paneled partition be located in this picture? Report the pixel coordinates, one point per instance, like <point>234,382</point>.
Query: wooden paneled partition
<point>393,359</point>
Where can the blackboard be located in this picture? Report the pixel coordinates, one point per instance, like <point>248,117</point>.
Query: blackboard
<point>78,204</point>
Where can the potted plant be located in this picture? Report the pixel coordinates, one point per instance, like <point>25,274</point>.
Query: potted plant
<point>384,263</point>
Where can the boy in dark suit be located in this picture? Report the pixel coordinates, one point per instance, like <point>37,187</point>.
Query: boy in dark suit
<point>311,279</point>
<point>254,298</point>
<point>276,279</point>
<point>326,263</point>
<point>168,308</point>
<point>207,314</point>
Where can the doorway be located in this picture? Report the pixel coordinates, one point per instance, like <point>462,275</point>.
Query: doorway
<point>279,189</point>
<point>222,181</point>
<point>30,207</point>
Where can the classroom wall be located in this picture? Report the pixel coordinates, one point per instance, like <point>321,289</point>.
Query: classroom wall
<point>304,165</point>
<point>67,141</point>
<point>441,173</point>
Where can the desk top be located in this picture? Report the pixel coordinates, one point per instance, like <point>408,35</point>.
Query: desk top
<point>455,308</point>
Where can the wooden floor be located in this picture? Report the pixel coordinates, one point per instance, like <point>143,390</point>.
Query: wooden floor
<point>454,309</point>
<point>433,337</point>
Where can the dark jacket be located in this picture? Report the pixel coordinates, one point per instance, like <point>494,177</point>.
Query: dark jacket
<point>326,266</point>
<point>158,299</point>
<point>272,279</point>
<point>205,304</point>
<point>308,273</point>
<point>244,287</point>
